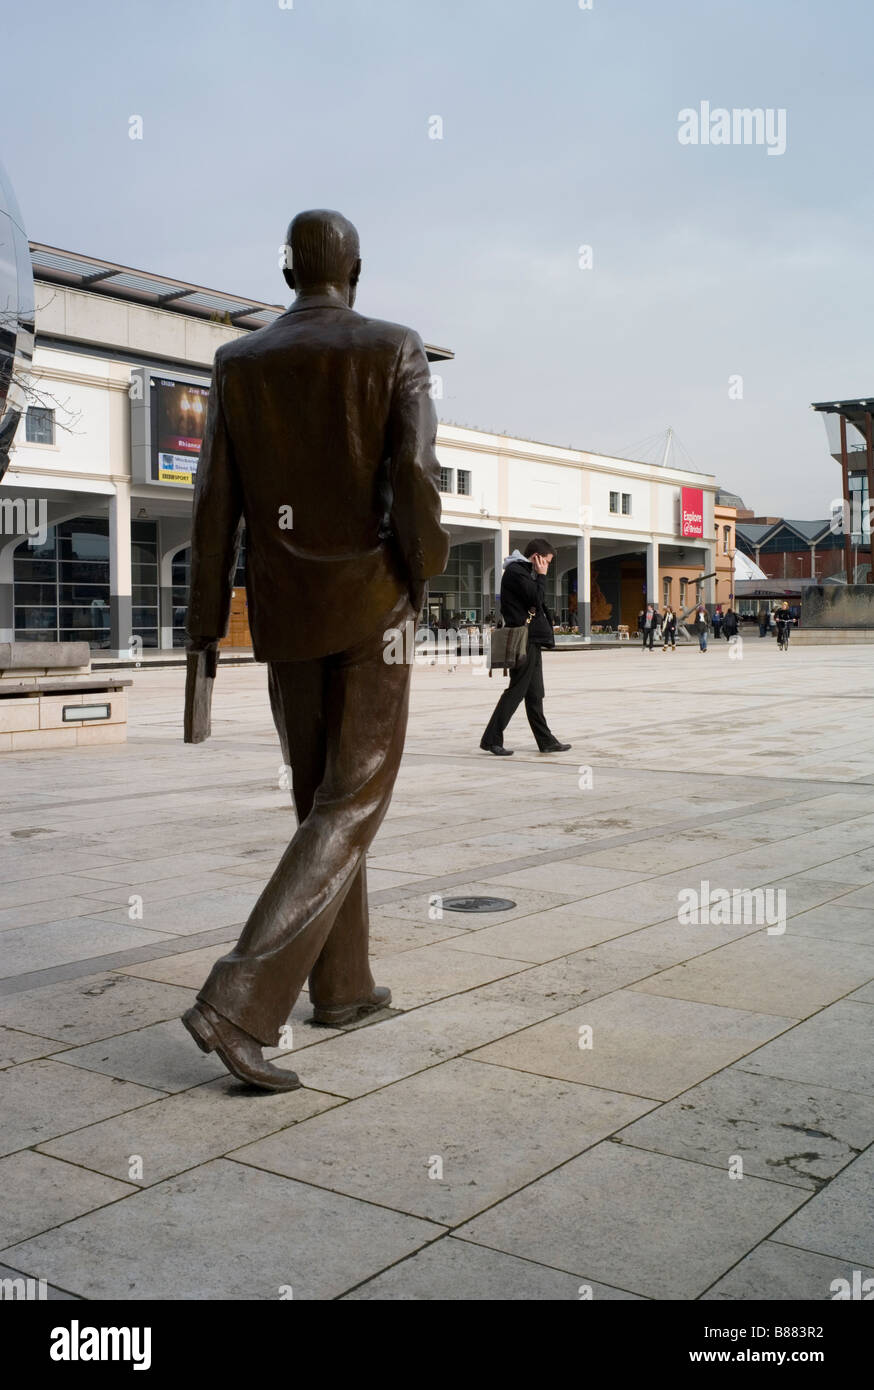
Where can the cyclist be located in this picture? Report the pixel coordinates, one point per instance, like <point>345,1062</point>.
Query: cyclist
<point>784,624</point>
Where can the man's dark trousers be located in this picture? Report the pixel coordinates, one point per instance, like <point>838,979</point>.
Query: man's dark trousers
<point>526,683</point>
<point>341,721</point>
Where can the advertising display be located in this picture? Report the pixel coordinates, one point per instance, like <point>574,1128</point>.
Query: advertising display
<point>178,411</point>
<point>691,511</point>
<point>168,418</point>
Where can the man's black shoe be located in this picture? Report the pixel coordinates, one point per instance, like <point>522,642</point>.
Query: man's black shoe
<point>498,749</point>
<point>556,748</point>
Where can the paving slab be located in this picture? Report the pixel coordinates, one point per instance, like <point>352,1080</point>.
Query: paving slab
<point>187,969</point>
<point>834,1048</point>
<point>785,974</point>
<point>656,1226</point>
<point>639,1044</point>
<point>785,1130</point>
<point>94,1007</point>
<point>163,1055</point>
<point>191,1238</point>
<point>182,916</point>
<point>73,939</point>
<point>432,972</point>
<point>20,1281</point>
<point>41,1099</point>
<point>18,1047</point>
<point>543,936</point>
<point>185,1130</point>
<point>453,1270</point>
<point>839,1220</point>
<point>784,1273</point>
<point>370,1058</point>
<point>447,1143</point>
<point>40,1192</point>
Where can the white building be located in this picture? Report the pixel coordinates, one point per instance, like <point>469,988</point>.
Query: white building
<point>95,507</point>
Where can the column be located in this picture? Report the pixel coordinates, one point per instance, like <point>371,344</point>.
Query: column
<point>584,585</point>
<point>869,469</point>
<point>120,606</point>
<point>7,612</point>
<point>652,574</point>
<point>848,538</point>
<point>813,562</point>
<point>710,568</point>
<point>501,541</point>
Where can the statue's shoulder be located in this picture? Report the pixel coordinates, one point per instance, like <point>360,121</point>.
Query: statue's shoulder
<point>385,331</point>
<point>248,345</point>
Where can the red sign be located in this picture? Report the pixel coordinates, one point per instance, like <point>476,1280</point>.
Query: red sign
<point>691,511</point>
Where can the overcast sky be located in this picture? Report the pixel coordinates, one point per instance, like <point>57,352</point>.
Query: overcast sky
<point>560,130</point>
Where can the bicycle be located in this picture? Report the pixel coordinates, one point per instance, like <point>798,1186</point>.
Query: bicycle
<point>783,637</point>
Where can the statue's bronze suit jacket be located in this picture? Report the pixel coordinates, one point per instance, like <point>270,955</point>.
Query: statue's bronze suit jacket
<point>320,434</point>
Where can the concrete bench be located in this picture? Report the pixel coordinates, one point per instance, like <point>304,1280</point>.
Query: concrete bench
<point>50,698</point>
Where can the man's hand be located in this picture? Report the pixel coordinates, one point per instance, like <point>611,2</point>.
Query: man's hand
<point>540,563</point>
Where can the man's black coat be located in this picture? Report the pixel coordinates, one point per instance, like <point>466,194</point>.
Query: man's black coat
<point>521,590</point>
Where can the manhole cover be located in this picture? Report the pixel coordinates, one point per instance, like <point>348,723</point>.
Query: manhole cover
<point>478,904</point>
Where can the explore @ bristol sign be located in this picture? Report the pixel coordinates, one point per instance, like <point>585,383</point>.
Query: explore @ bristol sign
<point>691,511</point>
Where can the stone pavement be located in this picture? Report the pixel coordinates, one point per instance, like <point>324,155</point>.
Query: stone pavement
<point>580,1090</point>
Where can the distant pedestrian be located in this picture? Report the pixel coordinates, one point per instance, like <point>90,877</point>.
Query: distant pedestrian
<point>702,622</point>
<point>669,629</point>
<point>764,621</point>
<point>717,621</point>
<point>729,623</point>
<point>648,623</point>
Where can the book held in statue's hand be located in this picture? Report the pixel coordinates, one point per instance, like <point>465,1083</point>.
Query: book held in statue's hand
<point>200,676</point>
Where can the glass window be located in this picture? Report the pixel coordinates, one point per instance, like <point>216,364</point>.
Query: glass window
<point>614,502</point>
<point>726,539</point>
<point>666,592</point>
<point>463,485</point>
<point>445,479</point>
<point>37,617</point>
<point>626,504</point>
<point>39,425</point>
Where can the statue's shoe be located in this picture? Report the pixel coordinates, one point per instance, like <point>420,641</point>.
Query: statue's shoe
<point>240,1052</point>
<point>350,1013</point>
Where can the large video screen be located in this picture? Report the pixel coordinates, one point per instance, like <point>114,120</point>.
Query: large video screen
<point>178,411</point>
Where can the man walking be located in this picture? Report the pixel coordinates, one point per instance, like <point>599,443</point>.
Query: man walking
<point>523,598</point>
<point>320,432</point>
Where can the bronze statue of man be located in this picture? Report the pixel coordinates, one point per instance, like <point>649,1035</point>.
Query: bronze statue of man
<point>320,435</point>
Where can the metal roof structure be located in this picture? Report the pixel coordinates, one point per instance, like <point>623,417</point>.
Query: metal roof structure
<point>855,411</point>
<point>807,531</point>
<point>76,271</point>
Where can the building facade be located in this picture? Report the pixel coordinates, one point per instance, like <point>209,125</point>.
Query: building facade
<point>96,504</point>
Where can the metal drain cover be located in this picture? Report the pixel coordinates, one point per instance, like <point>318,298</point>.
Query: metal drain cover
<point>478,904</point>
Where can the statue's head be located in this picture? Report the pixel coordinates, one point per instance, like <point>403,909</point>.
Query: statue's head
<point>322,254</point>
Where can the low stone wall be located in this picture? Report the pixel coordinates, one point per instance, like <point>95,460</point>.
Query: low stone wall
<point>50,698</point>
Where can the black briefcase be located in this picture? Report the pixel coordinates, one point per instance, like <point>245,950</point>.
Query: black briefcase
<point>508,646</point>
